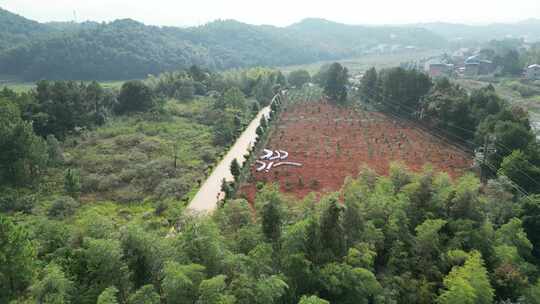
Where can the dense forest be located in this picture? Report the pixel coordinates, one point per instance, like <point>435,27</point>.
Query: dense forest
<point>16,30</point>
<point>126,49</point>
<point>406,238</point>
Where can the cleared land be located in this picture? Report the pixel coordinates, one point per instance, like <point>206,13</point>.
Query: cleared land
<point>335,142</point>
<point>363,63</point>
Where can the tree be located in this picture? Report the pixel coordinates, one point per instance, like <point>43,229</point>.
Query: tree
<point>332,233</point>
<point>532,295</point>
<point>235,169</point>
<point>468,283</point>
<point>353,222</point>
<point>368,88</point>
<point>521,171</point>
<point>345,284</point>
<point>312,300</point>
<point>234,98</point>
<point>509,136</point>
<point>271,215</point>
<point>54,150</point>
<point>181,282</point>
<point>269,290</point>
<point>135,96</point>
<point>108,296</point>
<point>336,83</point>
<point>201,243</point>
<point>63,207</point>
<point>401,90</point>
<point>145,295</point>
<point>214,291</point>
<point>105,267</point>
<point>61,107</point>
<point>22,154</point>
<point>17,259</point>
<point>53,287</point>
<point>530,217</point>
<point>143,253</point>
<point>428,245</point>
<point>72,183</point>
<point>299,77</point>
<point>511,63</point>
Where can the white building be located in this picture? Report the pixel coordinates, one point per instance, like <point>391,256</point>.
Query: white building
<point>533,71</point>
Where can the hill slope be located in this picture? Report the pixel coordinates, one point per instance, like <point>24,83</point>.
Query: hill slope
<point>528,29</point>
<point>126,49</point>
<point>16,30</point>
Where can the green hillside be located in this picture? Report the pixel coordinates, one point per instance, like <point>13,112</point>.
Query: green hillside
<point>127,49</point>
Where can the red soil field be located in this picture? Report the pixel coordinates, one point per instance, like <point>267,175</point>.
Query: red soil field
<point>334,142</point>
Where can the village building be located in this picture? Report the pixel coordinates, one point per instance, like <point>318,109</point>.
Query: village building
<point>436,68</point>
<point>533,71</point>
<point>475,65</point>
<point>440,70</point>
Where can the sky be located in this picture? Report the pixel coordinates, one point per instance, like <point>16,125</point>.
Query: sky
<point>277,12</point>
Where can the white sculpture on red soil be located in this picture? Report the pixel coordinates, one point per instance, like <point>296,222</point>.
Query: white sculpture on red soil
<point>272,156</point>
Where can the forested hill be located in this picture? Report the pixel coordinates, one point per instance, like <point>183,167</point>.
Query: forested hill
<point>17,30</point>
<point>353,38</point>
<point>126,49</point>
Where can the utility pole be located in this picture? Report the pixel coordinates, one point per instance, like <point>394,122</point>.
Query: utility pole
<point>483,154</point>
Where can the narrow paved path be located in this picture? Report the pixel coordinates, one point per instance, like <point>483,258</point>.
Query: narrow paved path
<point>210,193</point>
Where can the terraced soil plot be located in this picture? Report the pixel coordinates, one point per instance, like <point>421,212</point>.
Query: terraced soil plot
<point>334,142</point>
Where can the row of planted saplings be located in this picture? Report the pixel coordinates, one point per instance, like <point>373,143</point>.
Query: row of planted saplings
<point>241,172</point>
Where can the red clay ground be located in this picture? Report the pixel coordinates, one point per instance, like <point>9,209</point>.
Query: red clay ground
<point>335,142</point>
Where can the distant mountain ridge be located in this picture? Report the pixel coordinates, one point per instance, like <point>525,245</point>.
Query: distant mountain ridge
<point>126,49</point>
<point>528,29</point>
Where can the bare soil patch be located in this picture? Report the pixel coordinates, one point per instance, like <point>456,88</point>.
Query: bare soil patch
<point>335,142</point>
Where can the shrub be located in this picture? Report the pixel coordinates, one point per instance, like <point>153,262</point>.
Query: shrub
<point>72,183</point>
<point>161,207</point>
<point>54,150</point>
<point>62,207</point>
<point>129,140</point>
<point>128,194</point>
<point>153,173</point>
<point>149,146</point>
<point>127,175</point>
<point>235,169</point>
<point>14,201</point>
<point>137,156</point>
<point>172,188</point>
<point>90,183</point>
<point>109,182</point>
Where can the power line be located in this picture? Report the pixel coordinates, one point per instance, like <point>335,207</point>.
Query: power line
<point>460,138</point>
<point>508,150</point>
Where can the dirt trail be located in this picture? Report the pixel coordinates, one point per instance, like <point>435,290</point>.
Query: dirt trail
<point>210,193</point>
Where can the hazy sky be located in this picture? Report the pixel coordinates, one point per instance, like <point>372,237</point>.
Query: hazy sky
<point>277,12</point>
